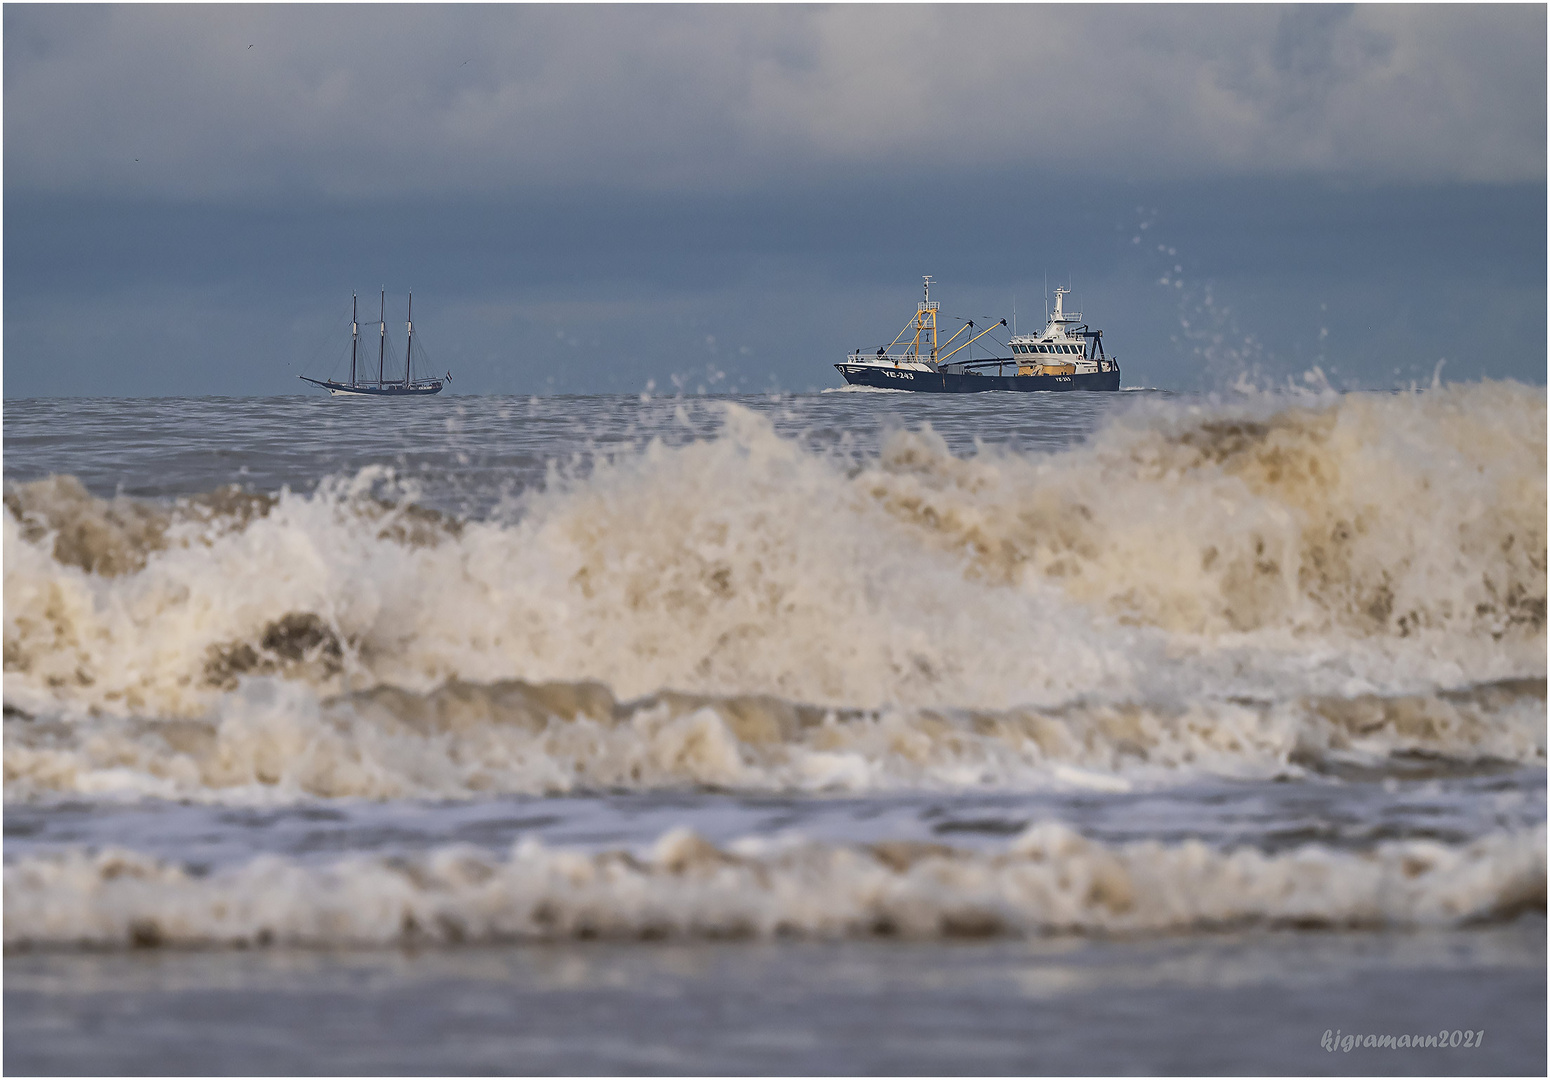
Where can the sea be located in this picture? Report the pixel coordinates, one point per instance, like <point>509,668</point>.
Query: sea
<point>834,733</point>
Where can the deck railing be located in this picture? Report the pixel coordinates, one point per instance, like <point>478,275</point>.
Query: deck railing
<point>886,358</point>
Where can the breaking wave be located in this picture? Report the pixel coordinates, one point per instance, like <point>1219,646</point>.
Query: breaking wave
<point>1049,879</point>
<point>1237,588</point>
<point>273,740</point>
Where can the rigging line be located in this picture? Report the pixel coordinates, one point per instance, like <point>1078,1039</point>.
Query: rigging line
<point>907,328</point>
<point>970,343</point>
<point>420,355</point>
<point>967,325</point>
<point>326,345</point>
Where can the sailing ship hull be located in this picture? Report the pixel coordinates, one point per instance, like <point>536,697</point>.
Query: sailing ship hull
<point>390,390</point>
<point>943,382</point>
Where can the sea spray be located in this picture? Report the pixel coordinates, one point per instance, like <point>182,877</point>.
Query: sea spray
<point>1199,587</point>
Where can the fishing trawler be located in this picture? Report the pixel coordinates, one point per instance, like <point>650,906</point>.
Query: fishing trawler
<point>381,386</point>
<point>1065,355</point>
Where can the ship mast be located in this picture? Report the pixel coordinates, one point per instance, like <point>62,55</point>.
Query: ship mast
<point>408,349</point>
<point>925,319</point>
<point>382,341</point>
<point>355,331</point>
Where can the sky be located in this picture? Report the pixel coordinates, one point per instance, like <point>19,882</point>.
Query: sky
<point>611,199</point>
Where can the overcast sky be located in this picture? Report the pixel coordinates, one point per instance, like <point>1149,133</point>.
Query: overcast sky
<point>588,198</point>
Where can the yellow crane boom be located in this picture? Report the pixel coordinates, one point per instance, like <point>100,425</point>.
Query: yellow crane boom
<point>966,344</point>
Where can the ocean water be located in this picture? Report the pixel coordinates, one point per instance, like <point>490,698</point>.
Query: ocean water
<point>849,732</point>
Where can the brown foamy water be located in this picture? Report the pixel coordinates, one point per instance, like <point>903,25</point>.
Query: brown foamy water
<point>845,667</point>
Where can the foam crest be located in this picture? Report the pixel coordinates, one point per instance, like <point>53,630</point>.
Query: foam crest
<point>1048,880</point>
<point>1363,514</point>
<point>278,741</point>
<point>1362,544</point>
<point>740,564</point>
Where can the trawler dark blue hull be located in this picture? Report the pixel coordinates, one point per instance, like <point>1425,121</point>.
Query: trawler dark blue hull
<point>944,382</point>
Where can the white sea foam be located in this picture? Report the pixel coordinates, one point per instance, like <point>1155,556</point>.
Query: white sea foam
<point>854,388</point>
<point>1047,880</point>
<point>1193,588</point>
<point>277,740</point>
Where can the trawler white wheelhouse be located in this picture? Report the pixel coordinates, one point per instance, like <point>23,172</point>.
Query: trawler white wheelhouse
<point>1064,347</point>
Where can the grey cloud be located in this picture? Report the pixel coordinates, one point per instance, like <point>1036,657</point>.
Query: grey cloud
<point>405,100</point>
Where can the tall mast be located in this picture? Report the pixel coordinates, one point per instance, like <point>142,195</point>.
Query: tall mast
<point>355,332</point>
<point>409,347</point>
<point>382,341</point>
<point>925,318</point>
